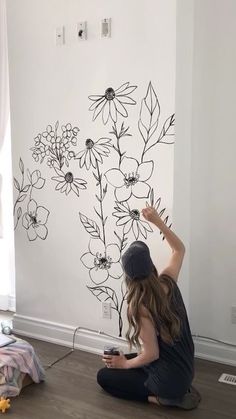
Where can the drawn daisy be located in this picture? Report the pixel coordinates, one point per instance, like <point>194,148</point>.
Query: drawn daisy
<point>102,261</point>
<point>66,182</point>
<point>93,152</point>
<point>130,219</point>
<point>130,179</point>
<point>34,221</point>
<point>112,102</point>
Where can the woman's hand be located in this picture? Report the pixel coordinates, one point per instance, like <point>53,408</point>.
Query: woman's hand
<point>150,214</point>
<point>115,361</point>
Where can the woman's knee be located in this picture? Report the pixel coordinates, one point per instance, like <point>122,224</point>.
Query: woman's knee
<point>102,377</point>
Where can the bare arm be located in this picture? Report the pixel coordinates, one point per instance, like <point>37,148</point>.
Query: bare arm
<point>150,347</point>
<point>177,246</point>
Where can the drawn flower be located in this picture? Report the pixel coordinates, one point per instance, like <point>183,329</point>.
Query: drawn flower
<point>130,219</point>
<point>70,132</point>
<point>66,182</point>
<point>36,153</point>
<point>40,151</point>
<point>93,152</point>
<point>35,179</point>
<point>102,261</point>
<point>49,133</point>
<point>112,102</point>
<point>37,140</point>
<point>34,221</point>
<point>130,179</point>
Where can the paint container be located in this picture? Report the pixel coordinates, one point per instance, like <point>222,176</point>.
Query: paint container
<point>111,350</point>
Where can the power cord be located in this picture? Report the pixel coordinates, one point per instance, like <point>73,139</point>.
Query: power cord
<point>99,332</point>
<point>215,340</point>
<point>80,328</point>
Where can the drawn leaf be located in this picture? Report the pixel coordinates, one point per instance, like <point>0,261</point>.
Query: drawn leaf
<point>143,131</point>
<point>162,212</point>
<point>19,212</point>
<point>26,188</point>
<point>151,197</point>
<point>97,179</point>
<point>157,203</point>
<point>99,215</point>
<point>168,130</point>
<point>149,114</point>
<point>22,198</point>
<point>21,166</point>
<point>103,294</point>
<point>16,184</point>
<point>99,200</point>
<point>90,226</point>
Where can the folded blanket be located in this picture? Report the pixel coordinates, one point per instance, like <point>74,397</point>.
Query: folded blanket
<point>16,360</point>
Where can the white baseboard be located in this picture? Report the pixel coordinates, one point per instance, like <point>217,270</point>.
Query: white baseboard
<point>62,334</point>
<point>213,351</point>
<point>93,342</point>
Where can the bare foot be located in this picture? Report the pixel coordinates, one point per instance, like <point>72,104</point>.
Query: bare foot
<point>154,399</point>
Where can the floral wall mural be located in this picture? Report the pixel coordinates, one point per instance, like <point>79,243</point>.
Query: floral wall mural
<point>73,162</point>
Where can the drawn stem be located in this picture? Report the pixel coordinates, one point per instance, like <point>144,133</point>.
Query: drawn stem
<point>118,144</point>
<point>101,203</point>
<point>31,190</point>
<point>145,145</point>
<point>162,135</point>
<point>120,316</point>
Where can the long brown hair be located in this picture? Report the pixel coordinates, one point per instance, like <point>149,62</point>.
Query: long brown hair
<point>149,293</point>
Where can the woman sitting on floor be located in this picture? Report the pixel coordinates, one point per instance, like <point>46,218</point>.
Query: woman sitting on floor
<point>163,371</point>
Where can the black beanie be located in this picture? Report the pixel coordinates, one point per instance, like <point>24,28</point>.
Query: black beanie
<point>136,261</point>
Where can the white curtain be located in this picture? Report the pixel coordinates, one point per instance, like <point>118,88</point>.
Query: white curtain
<point>7,273</point>
<point>4,89</point>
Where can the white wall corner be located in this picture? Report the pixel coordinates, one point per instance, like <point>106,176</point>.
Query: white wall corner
<point>183,127</point>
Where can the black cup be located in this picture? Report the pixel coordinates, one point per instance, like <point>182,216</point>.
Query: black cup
<point>111,350</point>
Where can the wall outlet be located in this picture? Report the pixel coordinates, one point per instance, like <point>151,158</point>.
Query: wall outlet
<point>106,310</point>
<point>233,315</point>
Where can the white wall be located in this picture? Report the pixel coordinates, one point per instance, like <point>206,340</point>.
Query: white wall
<point>213,200</point>
<point>204,157</point>
<point>50,83</point>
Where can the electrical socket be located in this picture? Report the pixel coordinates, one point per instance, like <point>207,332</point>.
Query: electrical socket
<point>106,310</point>
<point>233,315</point>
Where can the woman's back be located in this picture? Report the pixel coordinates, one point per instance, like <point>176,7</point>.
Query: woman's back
<point>173,371</point>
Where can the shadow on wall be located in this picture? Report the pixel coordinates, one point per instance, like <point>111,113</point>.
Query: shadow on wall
<point>57,147</point>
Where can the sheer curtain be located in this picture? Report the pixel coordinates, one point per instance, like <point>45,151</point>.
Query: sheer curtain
<point>6,219</point>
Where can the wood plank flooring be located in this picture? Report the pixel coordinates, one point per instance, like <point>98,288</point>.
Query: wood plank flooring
<point>71,392</point>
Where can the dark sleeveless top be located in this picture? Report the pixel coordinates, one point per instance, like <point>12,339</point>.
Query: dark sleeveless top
<point>172,373</point>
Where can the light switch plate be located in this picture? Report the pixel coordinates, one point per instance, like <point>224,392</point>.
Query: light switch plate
<point>106,28</point>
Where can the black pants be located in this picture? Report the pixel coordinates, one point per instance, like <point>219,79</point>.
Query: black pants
<point>125,384</point>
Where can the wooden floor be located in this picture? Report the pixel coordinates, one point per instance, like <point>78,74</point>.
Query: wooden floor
<point>71,391</point>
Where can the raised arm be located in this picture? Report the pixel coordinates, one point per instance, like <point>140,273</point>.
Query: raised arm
<point>176,245</point>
